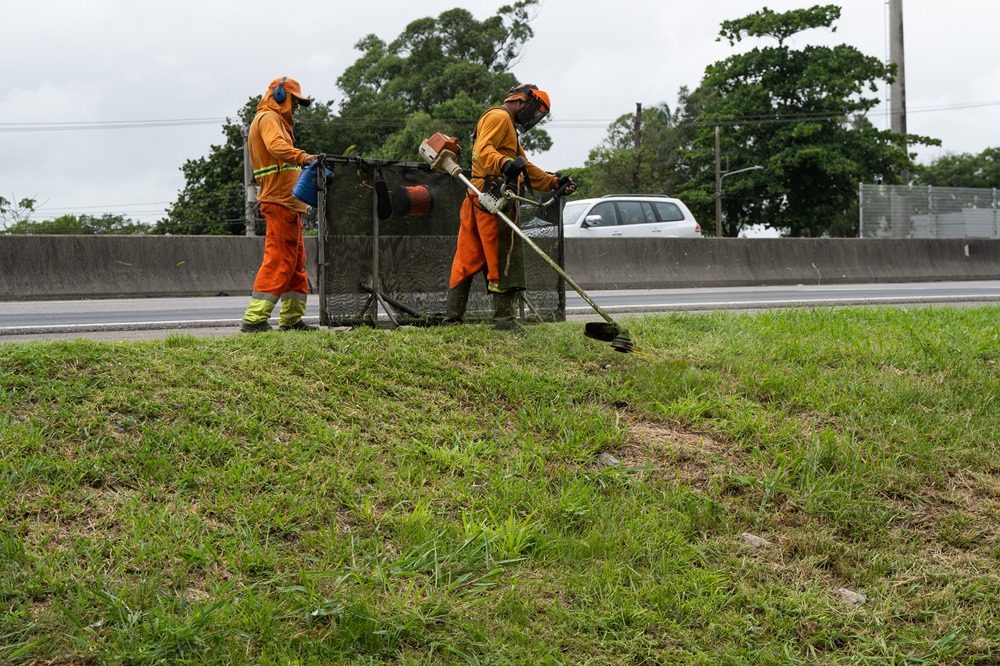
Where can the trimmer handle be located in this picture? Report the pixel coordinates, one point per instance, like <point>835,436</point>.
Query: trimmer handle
<point>554,196</point>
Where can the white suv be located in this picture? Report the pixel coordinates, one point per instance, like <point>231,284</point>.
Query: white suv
<point>629,216</point>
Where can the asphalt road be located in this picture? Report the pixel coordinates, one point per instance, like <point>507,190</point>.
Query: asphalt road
<point>22,321</point>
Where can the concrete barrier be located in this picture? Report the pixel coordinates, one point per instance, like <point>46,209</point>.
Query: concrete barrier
<point>72,267</point>
<point>639,263</point>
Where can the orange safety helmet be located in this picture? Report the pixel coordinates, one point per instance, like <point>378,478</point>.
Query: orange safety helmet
<point>537,105</point>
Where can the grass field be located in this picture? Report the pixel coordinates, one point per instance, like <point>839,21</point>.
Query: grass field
<point>439,495</point>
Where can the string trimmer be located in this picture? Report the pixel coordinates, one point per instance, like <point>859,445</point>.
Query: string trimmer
<point>441,153</point>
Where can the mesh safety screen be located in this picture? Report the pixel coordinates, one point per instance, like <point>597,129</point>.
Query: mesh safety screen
<point>416,243</point>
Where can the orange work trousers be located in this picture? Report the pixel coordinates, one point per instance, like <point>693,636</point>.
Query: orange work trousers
<point>478,244</point>
<point>283,270</point>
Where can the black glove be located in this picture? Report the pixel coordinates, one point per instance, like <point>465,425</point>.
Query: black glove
<point>511,169</point>
<point>565,180</point>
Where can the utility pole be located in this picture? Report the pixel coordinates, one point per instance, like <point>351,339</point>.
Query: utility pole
<point>718,186</point>
<point>249,189</point>
<point>637,132</point>
<point>898,90</point>
<point>718,189</point>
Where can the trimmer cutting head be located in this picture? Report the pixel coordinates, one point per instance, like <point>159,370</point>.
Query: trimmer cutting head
<point>613,333</point>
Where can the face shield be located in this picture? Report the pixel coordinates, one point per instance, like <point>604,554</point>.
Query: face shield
<point>533,112</point>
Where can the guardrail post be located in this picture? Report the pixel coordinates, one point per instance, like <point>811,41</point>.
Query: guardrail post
<point>249,188</point>
<point>996,225</point>
<point>930,211</point>
<point>861,210</point>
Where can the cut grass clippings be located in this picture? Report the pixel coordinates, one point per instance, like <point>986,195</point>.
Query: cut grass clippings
<point>439,495</point>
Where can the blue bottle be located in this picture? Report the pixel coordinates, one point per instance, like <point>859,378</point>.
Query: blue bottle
<point>305,187</point>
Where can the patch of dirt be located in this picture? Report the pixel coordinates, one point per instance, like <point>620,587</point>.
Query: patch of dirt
<point>956,524</point>
<point>40,609</point>
<point>196,595</point>
<point>23,413</point>
<point>95,514</point>
<point>690,457</point>
<point>963,514</point>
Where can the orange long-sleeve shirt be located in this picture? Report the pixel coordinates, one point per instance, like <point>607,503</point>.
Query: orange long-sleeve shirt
<point>276,162</point>
<point>496,142</point>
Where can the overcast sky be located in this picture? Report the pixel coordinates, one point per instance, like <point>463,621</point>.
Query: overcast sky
<point>116,60</point>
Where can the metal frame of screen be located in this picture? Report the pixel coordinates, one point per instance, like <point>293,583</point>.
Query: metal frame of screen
<point>393,270</point>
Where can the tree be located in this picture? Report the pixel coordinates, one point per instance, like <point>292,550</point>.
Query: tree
<point>436,76</point>
<point>962,170</point>
<point>14,211</point>
<point>106,224</point>
<point>617,165</point>
<point>799,113</point>
<point>212,199</point>
<point>584,179</point>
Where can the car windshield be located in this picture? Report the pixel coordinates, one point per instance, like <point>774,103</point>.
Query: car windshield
<point>572,212</point>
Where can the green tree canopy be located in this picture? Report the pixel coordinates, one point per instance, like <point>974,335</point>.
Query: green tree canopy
<point>962,170</point>
<point>436,76</point>
<point>618,165</point>
<point>800,114</point>
<point>80,225</point>
<point>211,201</point>
<point>14,211</point>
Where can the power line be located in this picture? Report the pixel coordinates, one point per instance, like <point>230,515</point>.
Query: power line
<point>49,209</point>
<point>72,126</point>
<point>562,123</point>
<point>106,211</point>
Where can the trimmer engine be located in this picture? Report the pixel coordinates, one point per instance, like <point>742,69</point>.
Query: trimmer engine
<point>441,153</point>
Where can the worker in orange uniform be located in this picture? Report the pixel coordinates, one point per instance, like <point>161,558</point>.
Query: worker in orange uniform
<point>484,242</point>
<point>276,166</point>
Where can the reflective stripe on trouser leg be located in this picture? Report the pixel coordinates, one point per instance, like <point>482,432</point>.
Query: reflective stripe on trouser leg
<point>259,309</point>
<point>293,308</point>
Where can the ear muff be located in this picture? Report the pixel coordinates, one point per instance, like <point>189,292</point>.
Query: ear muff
<point>279,93</point>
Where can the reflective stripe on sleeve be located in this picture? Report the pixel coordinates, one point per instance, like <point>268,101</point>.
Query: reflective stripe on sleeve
<point>272,169</point>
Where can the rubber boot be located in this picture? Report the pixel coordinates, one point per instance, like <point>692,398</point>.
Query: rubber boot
<point>503,312</point>
<point>458,298</point>
<point>256,315</point>
<point>293,308</point>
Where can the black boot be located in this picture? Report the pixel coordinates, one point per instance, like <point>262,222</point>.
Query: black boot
<point>503,312</point>
<point>458,298</point>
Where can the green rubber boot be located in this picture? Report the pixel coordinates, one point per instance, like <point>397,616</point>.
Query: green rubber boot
<point>503,312</point>
<point>458,298</point>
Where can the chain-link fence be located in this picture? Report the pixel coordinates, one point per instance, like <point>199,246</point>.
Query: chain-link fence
<point>901,211</point>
